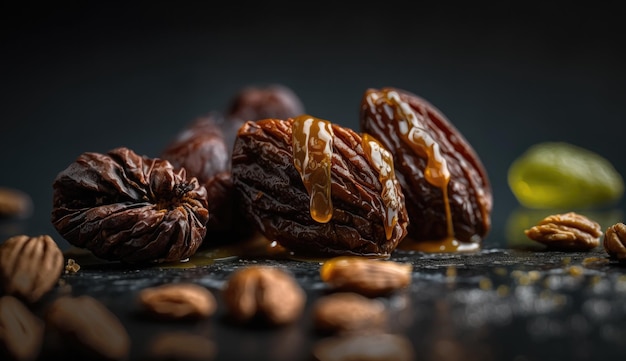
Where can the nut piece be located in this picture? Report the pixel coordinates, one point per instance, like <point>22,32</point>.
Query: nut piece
<point>21,332</point>
<point>348,312</point>
<point>446,187</point>
<point>615,241</point>
<point>364,347</point>
<point>129,208</point>
<point>30,266</point>
<point>568,231</point>
<point>318,189</point>
<point>369,277</point>
<point>263,292</point>
<point>178,301</point>
<point>15,203</point>
<point>181,346</point>
<point>88,327</point>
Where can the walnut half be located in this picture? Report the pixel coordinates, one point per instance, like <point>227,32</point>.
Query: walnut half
<point>615,241</point>
<point>568,231</point>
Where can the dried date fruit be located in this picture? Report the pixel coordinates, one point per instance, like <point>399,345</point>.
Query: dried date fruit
<point>15,203</point>
<point>88,328</point>
<point>562,175</point>
<point>369,277</point>
<point>318,189</point>
<point>447,190</point>
<point>178,301</point>
<point>568,231</point>
<point>615,241</point>
<point>131,208</point>
<point>348,312</point>
<point>264,293</point>
<point>30,266</point>
<point>262,102</point>
<point>21,332</point>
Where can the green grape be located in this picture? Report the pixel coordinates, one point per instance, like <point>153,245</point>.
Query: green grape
<point>562,175</point>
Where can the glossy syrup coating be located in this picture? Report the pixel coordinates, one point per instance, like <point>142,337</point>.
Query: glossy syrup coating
<point>447,191</point>
<point>345,215</point>
<point>130,208</point>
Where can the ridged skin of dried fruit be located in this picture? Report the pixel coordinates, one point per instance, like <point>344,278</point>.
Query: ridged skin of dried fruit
<point>131,208</point>
<point>469,189</point>
<point>274,197</point>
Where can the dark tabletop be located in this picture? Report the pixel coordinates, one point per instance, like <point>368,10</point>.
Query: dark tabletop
<point>95,77</point>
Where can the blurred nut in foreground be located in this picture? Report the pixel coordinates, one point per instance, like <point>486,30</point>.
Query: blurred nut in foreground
<point>348,312</point>
<point>615,241</point>
<point>30,266</point>
<point>178,301</point>
<point>263,292</point>
<point>88,328</point>
<point>364,347</point>
<point>21,332</point>
<point>181,346</point>
<point>568,231</point>
<point>369,277</point>
<point>15,203</point>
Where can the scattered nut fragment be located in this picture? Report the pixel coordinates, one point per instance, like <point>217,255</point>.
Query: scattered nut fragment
<point>367,276</point>
<point>348,312</point>
<point>568,231</point>
<point>181,346</point>
<point>88,327</point>
<point>615,241</point>
<point>178,301</point>
<point>71,266</point>
<point>21,332</point>
<point>15,203</point>
<point>30,266</point>
<point>368,347</point>
<point>264,292</point>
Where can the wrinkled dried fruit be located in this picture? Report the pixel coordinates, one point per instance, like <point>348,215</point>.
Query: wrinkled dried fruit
<point>21,332</point>
<point>88,327</point>
<point>264,293</point>
<point>348,312</point>
<point>15,203</point>
<point>261,102</point>
<point>178,301</point>
<point>131,208</point>
<point>317,188</point>
<point>369,277</point>
<point>615,241</point>
<point>447,191</point>
<point>563,175</point>
<point>567,231</point>
<point>30,266</point>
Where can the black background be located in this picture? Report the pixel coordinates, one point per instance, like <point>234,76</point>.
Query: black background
<point>94,76</point>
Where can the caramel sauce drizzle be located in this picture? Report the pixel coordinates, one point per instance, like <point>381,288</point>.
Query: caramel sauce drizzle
<point>415,135</point>
<point>312,154</point>
<point>382,160</point>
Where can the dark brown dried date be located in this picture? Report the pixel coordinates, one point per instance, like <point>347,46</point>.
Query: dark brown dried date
<point>389,114</point>
<point>275,198</point>
<point>131,208</point>
<point>204,147</point>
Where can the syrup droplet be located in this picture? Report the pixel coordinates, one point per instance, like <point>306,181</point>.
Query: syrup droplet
<point>312,153</point>
<point>414,134</point>
<point>382,160</point>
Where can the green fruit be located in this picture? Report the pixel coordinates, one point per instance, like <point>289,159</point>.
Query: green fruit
<point>562,175</point>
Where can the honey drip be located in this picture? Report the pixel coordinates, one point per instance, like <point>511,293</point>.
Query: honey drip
<point>415,135</point>
<point>382,160</point>
<point>312,153</point>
